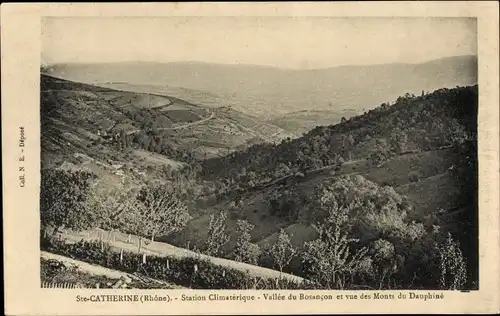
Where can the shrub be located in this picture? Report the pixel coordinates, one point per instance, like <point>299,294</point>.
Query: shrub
<point>413,177</point>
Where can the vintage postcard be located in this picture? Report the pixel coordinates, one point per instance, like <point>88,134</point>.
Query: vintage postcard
<point>250,158</point>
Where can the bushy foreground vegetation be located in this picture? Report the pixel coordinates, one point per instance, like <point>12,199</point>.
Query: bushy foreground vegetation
<point>364,237</point>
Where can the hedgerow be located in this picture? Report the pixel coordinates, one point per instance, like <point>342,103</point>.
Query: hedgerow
<point>196,273</point>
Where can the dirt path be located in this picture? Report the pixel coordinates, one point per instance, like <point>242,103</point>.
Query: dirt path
<point>86,267</point>
<point>95,269</point>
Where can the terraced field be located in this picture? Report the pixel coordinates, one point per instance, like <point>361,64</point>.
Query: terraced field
<point>79,111</point>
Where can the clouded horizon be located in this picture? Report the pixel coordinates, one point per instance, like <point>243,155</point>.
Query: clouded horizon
<point>285,42</point>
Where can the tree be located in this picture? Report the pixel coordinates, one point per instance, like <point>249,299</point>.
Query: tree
<point>142,139</point>
<point>151,144</point>
<point>329,259</point>
<point>135,222</point>
<point>244,250</point>
<point>167,171</point>
<point>282,252</point>
<point>286,203</point>
<point>123,139</point>
<point>339,160</point>
<point>413,177</point>
<point>348,141</point>
<point>456,132</point>
<point>251,178</point>
<point>385,105</point>
<point>398,141</point>
<point>217,236</point>
<point>380,154</point>
<point>63,196</point>
<point>115,208</point>
<point>164,212</point>
<point>282,170</point>
<point>452,265</point>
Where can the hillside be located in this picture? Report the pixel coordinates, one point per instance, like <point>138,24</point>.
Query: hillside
<point>267,91</point>
<point>411,123</point>
<point>435,189</point>
<point>423,147</point>
<point>82,122</point>
<point>205,99</point>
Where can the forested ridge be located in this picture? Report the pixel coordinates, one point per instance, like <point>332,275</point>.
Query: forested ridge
<point>421,123</point>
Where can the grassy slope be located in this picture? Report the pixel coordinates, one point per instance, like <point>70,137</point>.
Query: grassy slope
<point>434,190</point>
<point>73,112</point>
<point>431,194</point>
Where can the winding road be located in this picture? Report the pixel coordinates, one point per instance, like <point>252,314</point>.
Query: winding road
<point>211,116</point>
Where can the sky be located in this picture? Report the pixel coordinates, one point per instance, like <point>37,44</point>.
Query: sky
<point>285,42</point>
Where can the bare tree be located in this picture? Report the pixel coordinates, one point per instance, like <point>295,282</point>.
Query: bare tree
<point>282,251</point>
<point>330,259</point>
<point>217,236</point>
<point>244,250</point>
<point>452,265</point>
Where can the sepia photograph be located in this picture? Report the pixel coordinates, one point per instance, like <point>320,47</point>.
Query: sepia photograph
<point>250,158</point>
<point>243,153</point>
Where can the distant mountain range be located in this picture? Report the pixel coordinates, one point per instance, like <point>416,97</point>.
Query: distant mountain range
<point>271,92</point>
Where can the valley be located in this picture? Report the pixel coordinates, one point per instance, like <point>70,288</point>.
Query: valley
<point>204,183</point>
<point>268,92</point>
